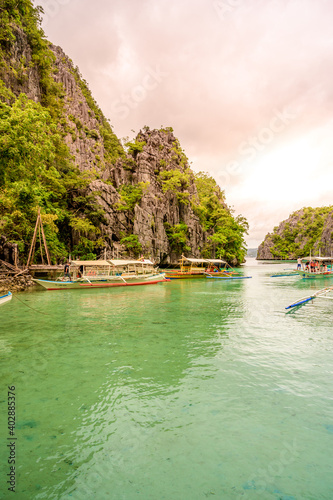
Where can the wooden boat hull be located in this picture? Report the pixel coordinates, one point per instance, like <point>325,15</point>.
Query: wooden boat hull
<point>308,275</point>
<point>6,298</point>
<point>181,276</point>
<point>110,283</point>
<point>229,277</point>
<point>178,275</point>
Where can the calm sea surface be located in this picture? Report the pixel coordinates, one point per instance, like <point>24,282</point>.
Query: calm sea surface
<point>185,390</point>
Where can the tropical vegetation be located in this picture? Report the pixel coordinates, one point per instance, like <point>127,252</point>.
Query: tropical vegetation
<point>301,234</point>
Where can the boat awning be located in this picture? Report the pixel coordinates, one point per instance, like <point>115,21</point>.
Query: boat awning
<point>319,259</point>
<point>90,263</point>
<point>195,261</point>
<point>204,261</point>
<point>216,261</point>
<point>120,262</point>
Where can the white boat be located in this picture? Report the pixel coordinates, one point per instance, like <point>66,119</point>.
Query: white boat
<point>6,298</point>
<point>105,274</point>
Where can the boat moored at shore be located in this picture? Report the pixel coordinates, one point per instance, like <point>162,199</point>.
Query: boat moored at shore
<point>105,274</point>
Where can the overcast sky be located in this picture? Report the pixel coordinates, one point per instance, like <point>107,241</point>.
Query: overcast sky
<point>246,85</point>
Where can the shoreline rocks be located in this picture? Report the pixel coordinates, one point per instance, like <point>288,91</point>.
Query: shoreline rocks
<point>15,284</point>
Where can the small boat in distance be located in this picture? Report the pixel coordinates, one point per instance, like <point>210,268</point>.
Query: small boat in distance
<point>85,274</point>
<point>6,298</point>
<point>316,267</point>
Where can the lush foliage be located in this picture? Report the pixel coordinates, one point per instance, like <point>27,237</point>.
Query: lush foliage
<point>226,232</point>
<point>134,147</point>
<point>176,182</point>
<point>130,195</point>
<point>36,168</point>
<point>301,234</point>
<point>132,244</point>
<point>36,171</point>
<point>177,236</point>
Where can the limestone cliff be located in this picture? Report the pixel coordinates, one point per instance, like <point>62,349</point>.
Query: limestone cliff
<point>306,230</point>
<point>137,198</point>
<point>157,208</point>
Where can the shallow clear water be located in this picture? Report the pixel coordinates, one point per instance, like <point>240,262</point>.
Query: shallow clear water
<point>185,390</point>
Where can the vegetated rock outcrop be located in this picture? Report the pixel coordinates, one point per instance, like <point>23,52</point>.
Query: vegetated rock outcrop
<point>95,194</point>
<point>306,230</point>
<point>158,207</point>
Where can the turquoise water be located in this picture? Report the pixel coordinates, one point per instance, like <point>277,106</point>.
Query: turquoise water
<point>185,390</point>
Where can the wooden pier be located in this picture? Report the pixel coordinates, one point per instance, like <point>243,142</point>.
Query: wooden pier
<point>45,267</point>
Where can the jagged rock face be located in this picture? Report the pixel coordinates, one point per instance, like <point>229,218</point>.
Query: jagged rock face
<point>88,152</point>
<point>264,249</point>
<point>25,77</point>
<point>156,208</point>
<point>326,237</point>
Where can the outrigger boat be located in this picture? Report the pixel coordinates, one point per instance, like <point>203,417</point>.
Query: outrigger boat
<point>6,298</point>
<point>284,273</point>
<point>85,274</point>
<point>200,268</point>
<point>316,267</point>
<point>319,294</point>
<point>228,277</point>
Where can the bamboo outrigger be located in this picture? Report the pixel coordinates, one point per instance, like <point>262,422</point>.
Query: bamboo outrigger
<point>318,294</point>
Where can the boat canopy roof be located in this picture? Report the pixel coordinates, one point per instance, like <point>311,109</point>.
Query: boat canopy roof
<point>109,263</point>
<point>204,261</point>
<point>195,261</point>
<point>319,259</point>
<point>121,262</point>
<point>90,263</point>
<point>216,261</point>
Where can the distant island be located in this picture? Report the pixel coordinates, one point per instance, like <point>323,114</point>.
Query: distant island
<point>308,230</point>
<point>252,252</point>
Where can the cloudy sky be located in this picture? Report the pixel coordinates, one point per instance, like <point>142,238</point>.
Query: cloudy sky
<point>247,86</point>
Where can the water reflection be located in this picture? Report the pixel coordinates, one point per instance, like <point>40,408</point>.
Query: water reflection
<point>179,388</point>
<point>102,368</point>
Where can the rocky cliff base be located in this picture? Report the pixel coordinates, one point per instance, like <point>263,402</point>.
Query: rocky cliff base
<point>16,284</point>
